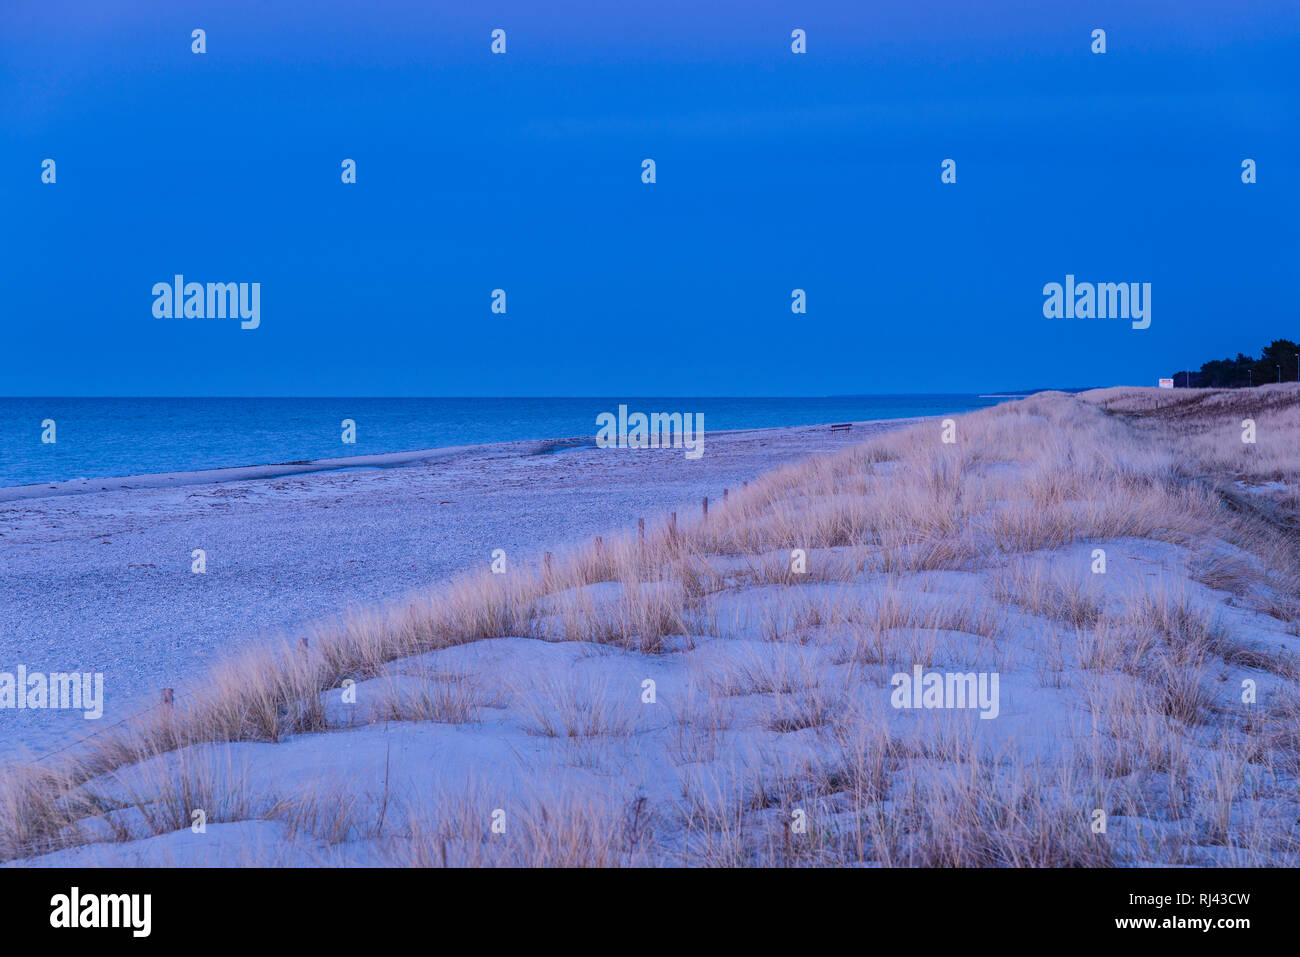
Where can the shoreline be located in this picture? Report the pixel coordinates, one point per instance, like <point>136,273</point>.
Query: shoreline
<point>382,460</point>
<point>102,581</point>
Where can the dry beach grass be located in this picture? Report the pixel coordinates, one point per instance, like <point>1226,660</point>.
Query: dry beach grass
<point>522,699</point>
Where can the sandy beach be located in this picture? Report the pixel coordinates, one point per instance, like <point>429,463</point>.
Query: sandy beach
<point>96,575</point>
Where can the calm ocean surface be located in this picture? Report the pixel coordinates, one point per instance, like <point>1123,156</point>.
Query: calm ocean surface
<point>101,438</point>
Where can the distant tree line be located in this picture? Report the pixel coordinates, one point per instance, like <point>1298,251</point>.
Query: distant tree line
<point>1279,357</point>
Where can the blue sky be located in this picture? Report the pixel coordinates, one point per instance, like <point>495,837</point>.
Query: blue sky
<point>775,171</point>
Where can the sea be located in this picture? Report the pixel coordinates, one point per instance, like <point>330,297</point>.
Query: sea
<point>117,437</point>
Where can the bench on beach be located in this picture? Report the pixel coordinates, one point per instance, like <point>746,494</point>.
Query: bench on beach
<point>841,426</point>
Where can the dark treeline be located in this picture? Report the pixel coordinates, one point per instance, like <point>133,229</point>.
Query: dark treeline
<point>1280,357</point>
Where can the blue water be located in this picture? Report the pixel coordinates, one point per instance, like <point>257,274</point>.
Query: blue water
<point>102,438</point>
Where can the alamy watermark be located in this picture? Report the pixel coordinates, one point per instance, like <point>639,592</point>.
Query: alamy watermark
<point>58,690</point>
<point>1103,300</point>
<point>658,430</point>
<point>75,909</point>
<point>934,689</point>
<point>215,300</point>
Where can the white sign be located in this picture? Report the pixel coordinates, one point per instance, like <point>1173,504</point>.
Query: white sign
<point>1166,383</point>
